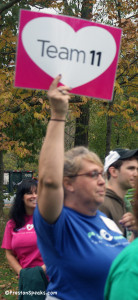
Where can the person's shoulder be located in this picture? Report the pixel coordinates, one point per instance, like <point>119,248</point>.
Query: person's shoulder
<point>110,198</point>
<point>10,223</point>
<point>133,248</point>
<point>107,206</point>
<point>123,269</point>
<point>109,193</point>
<point>100,213</point>
<point>40,221</point>
<point>125,260</point>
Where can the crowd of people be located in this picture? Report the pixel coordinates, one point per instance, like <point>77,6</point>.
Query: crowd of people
<point>79,223</point>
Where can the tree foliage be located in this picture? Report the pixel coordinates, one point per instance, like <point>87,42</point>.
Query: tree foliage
<point>22,112</point>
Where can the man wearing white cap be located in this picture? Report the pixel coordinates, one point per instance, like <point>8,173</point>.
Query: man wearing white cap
<point>121,166</point>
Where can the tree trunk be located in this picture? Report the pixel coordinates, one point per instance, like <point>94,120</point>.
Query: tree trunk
<point>86,11</point>
<point>109,127</point>
<point>81,133</point>
<point>1,182</point>
<point>108,134</point>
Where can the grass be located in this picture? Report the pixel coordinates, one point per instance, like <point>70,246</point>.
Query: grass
<point>8,278</point>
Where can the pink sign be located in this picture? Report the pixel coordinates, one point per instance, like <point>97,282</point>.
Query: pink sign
<point>83,52</point>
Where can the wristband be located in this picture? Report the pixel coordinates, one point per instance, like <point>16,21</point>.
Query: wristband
<point>57,120</point>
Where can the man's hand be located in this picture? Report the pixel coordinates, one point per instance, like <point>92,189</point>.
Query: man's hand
<point>128,221</point>
<point>44,268</point>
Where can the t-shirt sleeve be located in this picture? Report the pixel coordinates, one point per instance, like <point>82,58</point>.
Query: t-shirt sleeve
<point>7,238</point>
<point>48,233</point>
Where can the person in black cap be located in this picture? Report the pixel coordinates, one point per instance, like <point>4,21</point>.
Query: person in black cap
<point>121,166</point>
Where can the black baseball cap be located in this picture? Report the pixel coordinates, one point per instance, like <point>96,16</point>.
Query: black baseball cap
<point>126,153</point>
<point>119,154</point>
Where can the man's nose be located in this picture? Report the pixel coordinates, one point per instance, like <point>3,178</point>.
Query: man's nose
<point>136,172</point>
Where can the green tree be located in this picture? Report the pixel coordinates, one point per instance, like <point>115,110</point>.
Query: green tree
<point>25,109</point>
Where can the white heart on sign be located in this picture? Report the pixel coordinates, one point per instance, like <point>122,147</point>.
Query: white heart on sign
<point>79,56</point>
<point>29,226</point>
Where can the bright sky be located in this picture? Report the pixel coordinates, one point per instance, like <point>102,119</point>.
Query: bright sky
<point>45,10</point>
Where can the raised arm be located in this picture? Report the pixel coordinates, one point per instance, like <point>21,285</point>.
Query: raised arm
<point>51,162</point>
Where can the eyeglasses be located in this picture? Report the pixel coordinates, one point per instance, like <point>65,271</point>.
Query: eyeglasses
<point>92,174</point>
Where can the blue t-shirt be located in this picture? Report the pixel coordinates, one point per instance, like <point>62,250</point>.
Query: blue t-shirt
<point>78,251</point>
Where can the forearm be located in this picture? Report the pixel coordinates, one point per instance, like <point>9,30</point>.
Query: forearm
<point>51,162</point>
<point>13,262</point>
<point>52,153</point>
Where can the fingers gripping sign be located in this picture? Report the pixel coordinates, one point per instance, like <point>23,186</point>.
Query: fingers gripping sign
<point>59,98</point>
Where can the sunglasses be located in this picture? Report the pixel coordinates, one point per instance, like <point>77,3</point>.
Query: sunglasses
<point>92,174</point>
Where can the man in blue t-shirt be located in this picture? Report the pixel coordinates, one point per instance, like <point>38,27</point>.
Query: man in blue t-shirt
<point>78,242</point>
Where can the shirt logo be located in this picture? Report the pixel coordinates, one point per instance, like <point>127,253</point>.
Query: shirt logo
<point>29,226</point>
<point>105,235</point>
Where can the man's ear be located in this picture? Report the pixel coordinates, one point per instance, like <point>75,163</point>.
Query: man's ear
<point>113,171</point>
<point>68,184</point>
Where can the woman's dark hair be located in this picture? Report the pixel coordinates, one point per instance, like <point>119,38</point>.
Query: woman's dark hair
<point>17,212</point>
